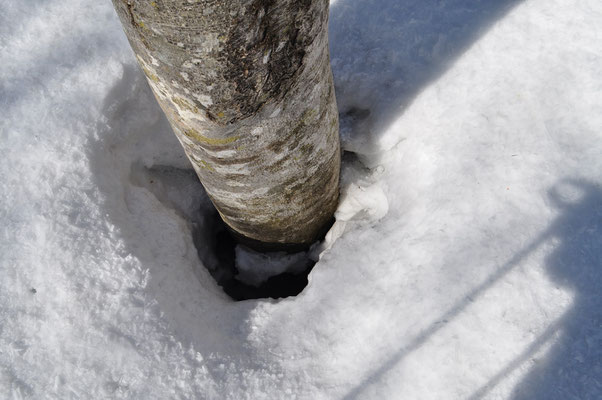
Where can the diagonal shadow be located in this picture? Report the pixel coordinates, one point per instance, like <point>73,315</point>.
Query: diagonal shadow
<point>440,322</point>
<point>384,53</point>
<point>573,367</point>
<point>576,262</point>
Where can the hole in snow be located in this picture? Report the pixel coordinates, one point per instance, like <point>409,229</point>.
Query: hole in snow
<point>357,113</point>
<point>247,274</point>
<point>241,272</point>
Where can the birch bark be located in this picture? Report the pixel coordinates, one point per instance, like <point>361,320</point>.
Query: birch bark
<point>248,90</point>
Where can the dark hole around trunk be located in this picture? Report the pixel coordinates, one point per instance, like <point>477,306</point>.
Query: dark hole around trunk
<point>217,251</point>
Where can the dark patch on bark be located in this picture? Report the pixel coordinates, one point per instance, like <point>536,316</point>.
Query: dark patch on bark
<point>136,26</point>
<point>281,31</point>
<point>277,165</point>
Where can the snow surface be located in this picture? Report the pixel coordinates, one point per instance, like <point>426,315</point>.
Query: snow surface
<point>468,262</point>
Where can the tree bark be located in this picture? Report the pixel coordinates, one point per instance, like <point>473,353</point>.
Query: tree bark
<point>248,90</point>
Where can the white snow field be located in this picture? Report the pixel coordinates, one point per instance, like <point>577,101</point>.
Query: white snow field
<point>468,263</point>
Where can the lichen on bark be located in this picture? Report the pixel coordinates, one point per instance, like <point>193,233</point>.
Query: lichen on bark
<point>247,88</point>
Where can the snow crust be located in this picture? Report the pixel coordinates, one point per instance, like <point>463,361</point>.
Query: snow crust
<point>465,261</point>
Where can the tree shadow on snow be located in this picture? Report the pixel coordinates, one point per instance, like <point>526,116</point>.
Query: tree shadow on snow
<point>573,367</point>
<point>385,52</point>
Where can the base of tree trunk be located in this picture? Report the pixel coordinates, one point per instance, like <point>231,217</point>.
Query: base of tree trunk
<point>220,261</point>
<point>260,246</point>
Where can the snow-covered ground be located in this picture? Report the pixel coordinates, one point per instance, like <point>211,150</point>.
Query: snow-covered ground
<point>469,255</point>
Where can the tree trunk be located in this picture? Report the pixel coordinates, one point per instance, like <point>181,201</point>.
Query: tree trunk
<point>248,90</point>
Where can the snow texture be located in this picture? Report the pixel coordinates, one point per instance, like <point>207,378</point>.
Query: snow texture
<point>466,261</point>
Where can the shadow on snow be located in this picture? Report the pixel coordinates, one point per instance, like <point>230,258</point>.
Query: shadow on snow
<point>398,48</point>
<point>572,367</point>
<point>385,52</point>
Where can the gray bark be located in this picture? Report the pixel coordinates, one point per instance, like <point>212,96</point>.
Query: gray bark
<point>248,90</point>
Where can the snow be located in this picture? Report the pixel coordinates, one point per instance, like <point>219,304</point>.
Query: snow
<point>254,268</point>
<point>465,261</point>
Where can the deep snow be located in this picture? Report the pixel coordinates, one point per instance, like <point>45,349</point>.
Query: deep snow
<point>468,259</point>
